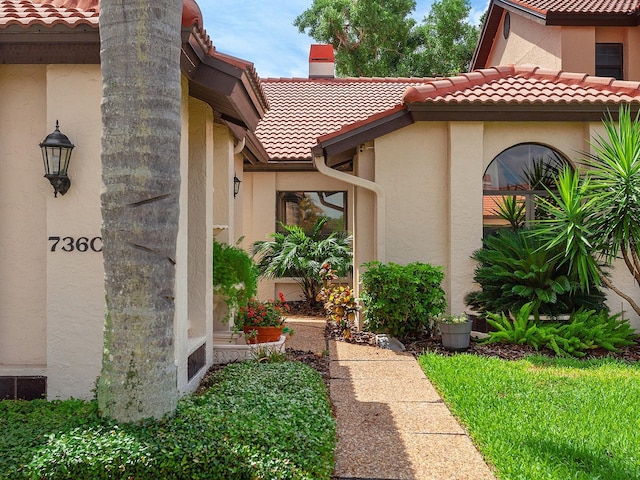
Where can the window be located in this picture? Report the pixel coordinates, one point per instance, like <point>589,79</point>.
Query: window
<point>609,60</point>
<point>304,208</point>
<point>512,182</point>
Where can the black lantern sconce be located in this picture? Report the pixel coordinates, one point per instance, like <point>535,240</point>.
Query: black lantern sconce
<point>236,185</point>
<point>56,153</point>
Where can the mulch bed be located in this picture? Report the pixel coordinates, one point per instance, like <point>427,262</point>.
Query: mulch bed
<point>419,345</point>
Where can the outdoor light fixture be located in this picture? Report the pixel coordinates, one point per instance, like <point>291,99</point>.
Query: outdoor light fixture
<point>236,186</point>
<point>56,153</point>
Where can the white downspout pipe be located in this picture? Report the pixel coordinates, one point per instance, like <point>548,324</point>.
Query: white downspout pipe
<point>319,163</point>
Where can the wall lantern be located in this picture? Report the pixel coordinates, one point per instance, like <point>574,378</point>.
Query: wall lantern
<point>56,153</point>
<point>236,186</point>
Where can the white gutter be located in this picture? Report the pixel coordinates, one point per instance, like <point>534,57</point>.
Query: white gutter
<point>319,163</point>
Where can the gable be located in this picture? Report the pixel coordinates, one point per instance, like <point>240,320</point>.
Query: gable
<point>613,13</point>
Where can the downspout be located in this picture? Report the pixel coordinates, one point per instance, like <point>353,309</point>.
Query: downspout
<point>320,164</point>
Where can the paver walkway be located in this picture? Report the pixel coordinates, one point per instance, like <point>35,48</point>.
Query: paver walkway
<point>391,422</point>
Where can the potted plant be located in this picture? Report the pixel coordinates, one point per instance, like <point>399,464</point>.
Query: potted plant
<point>262,322</point>
<point>455,331</point>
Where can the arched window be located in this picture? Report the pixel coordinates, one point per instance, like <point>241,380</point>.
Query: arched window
<point>513,180</point>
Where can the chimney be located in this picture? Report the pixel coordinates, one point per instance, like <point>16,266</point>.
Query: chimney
<point>321,61</point>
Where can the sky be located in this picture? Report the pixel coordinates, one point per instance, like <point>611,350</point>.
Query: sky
<point>262,32</point>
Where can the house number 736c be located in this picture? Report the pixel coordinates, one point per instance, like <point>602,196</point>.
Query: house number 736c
<point>80,244</point>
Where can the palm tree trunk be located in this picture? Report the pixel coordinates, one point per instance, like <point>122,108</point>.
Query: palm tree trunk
<point>140,49</point>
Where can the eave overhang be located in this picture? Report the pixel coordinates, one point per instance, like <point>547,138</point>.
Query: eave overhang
<point>525,112</point>
<point>303,165</point>
<point>343,143</point>
<point>58,44</point>
<point>487,34</point>
<point>350,137</point>
<point>222,82</point>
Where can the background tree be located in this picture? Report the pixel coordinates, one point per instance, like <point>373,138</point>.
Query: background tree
<point>444,43</point>
<point>140,51</point>
<point>596,218</point>
<point>297,254</point>
<point>368,36</point>
<point>379,38</point>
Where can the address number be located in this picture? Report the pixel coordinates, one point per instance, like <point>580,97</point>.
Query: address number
<point>80,244</point>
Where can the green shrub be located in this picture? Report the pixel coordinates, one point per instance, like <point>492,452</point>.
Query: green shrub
<point>585,330</point>
<point>254,421</point>
<point>235,275</point>
<point>401,300</point>
<point>514,270</point>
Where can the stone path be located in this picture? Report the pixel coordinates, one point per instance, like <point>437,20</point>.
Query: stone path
<point>391,422</point>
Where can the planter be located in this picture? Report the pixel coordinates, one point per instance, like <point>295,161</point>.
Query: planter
<point>455,336</point>
<point>263,334</point>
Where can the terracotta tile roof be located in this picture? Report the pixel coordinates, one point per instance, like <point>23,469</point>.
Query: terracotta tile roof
<point>26,13</point>
<point>579,6</point>
<point>523,85</point>
<point>301,110</point>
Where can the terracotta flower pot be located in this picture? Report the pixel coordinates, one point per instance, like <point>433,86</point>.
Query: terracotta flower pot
<point>263,334</point>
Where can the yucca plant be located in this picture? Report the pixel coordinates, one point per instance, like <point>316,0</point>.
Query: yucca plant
<point>596,218</point>
<point>512,209</point>
<point>299,255</point>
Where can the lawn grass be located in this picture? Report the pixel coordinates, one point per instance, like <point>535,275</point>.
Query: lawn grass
<point>543,418</point>
<point>255,421</point>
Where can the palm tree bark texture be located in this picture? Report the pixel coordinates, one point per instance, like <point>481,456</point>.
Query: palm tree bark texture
<point>141,92</point>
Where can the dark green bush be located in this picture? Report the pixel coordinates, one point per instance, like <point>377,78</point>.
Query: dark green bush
<point>401,300</point>
<point>255,421</point>
<point>585,330</point>
<point>513,269</point>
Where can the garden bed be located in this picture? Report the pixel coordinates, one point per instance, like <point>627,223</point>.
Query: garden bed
<point>419,345</point>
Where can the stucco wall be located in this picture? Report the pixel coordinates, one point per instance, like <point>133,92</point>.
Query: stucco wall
<point>52,315</point>
<point>75,292</point>
<point>23,209</point>
<point>432,177</point>
<point>411,167</point>
<point>529,42</point>
<point>433,204</point>
<point>631,54</point>
<point>579,49</point>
